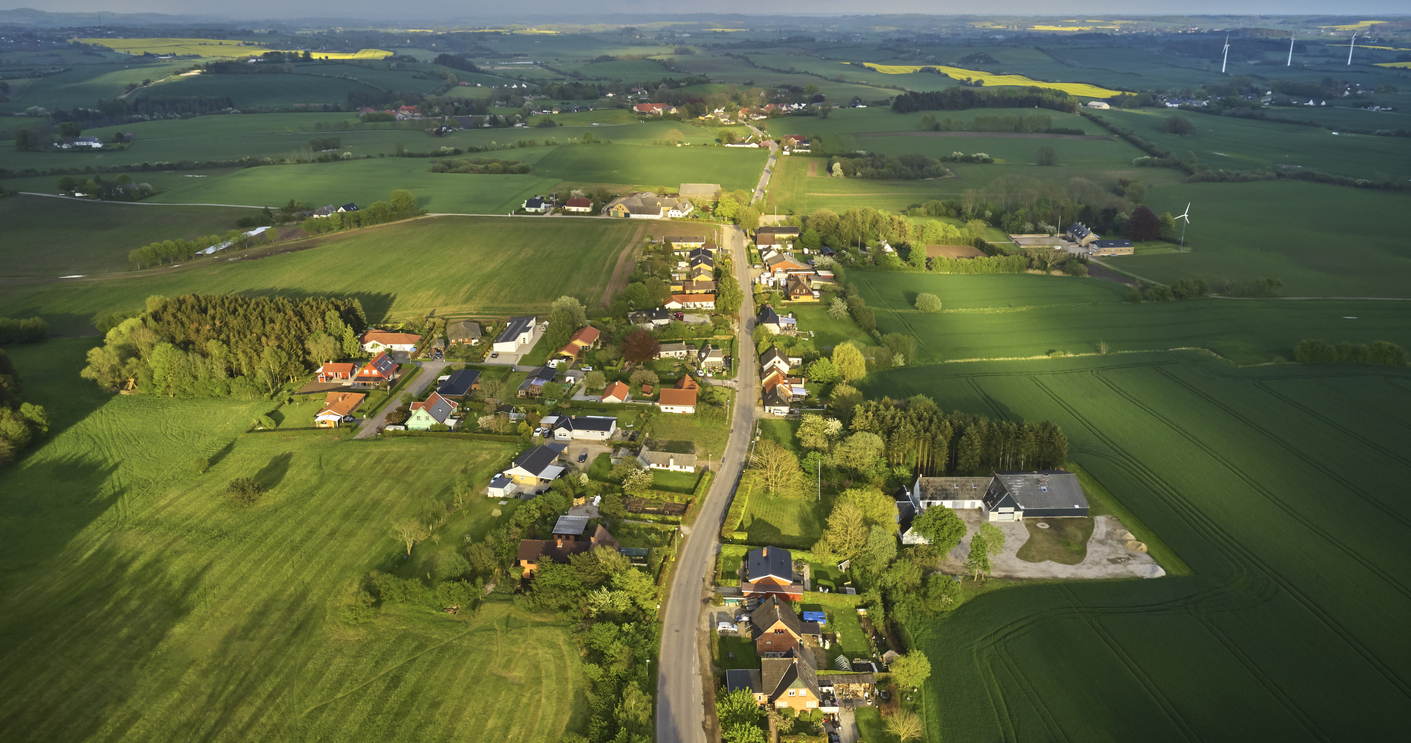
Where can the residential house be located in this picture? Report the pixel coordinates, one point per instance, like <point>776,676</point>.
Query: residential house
<point>585,427</point>
<point>790,680</point>
<point>333,372</point>
<point>798,288</point>
<point>617,392</point>
<point>673,351</point>
<point>335,407</point>
<point>774,360</point>
<point>380,370</point>
<point>648,206</point>
<point>578,206</point>
<point>701,271</point>
<point>656,318</point>
<point>501,487</point>
<point>93,143</point>
<point>516,336</point>
<point>711,358</point>
<point>534,470</point>
<point>777,268</point>
<point>777,400</point>
<point>1111,247</point>
<point>533,386</point>
<point>769,571</point>
<point>1014,496</point>
<point>775,628</point>
<point>701,257</point>
<point>1101,105</point>
<point>1081,235</point>
<point>435,410</point>
<point>537,205</point>
<point>691,302</point>
<point>535,552</point>
<point>696,286</point>
<point>796,142</point>
<point>672,400</point>
<point>945,492</point>
<point>776,235</point>
<point>687,382</point>
<point>581,341</point>
<point>463,332</point>
<point>348,207</point>
<point>776,323</point>
<point>460,383</point>
<point>665,460</point>
<point>376,341</point>
<point>655,109</point>
<point>683,243</point>
<point>323,211</point>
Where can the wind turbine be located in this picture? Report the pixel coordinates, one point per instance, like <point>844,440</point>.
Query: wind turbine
<point>1186,217</point>
<point>1227,54</point>
<point>1290,63</point>
<point>1350,46</point>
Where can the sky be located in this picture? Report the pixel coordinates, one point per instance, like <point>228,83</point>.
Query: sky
<point>547,10</point>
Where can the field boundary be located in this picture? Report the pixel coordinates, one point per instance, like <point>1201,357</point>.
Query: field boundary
<point>133,203</point>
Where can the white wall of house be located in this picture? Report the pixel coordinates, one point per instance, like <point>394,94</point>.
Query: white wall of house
<point>682,409</point>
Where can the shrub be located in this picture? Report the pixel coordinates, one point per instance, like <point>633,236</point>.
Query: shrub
<point>1159,293</point>
<point>928,303</point>
<point>200,464</point>
<point>1075,268</point>
<point>356,605</point>
<point>393,590</point>
<point>243,491</point>
<point>1046,156</point>
<point>265,421</point>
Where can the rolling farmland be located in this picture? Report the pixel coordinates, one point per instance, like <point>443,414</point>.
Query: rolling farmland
<point>1264,481</point>
<point>215,48</point>
<point>992,80</point>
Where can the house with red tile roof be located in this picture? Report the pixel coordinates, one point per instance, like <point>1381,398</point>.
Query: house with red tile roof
<point>581,341</point>
<point>336,406</point>
<point>334,373</point>
<point>380,370</point>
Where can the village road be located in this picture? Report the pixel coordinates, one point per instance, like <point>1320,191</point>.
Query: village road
<point>430,370</point>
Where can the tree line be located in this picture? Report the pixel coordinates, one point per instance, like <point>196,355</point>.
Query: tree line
<point>1021,123</point>
<point>962,97</point>
<point>170,251</point>
<point>21,423</point>
<point>23,330</point>
<point>916,433</point>
<point>482,165</point>
<point>224,345</point>
<point>400,205</point>
<point>1378,353</point>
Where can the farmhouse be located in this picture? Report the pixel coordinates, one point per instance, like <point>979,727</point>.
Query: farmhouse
<point>536,205</point>
<point>534,552</point>
<point>333,372</point>
<point>460,383</point>
<point>1014,496</point>
<point>463,332</point>
<point>581,341</point>
<point>435,410</point>
<point>377,341</point>
<point>946,492</point>
<point>534,470</point>
<point>617,392</point>
<point>1081,235</point>
<point>776,235</point>
<point>665,460</point>
<point>379,370</point>
<point>578,206</point>
<point>769,571</point>
<point>648,206</point>
<point>517,333</point>
<point>335,407</point>
<point>1111,247</point>
<point>677,401</point>
<point>585,427</point>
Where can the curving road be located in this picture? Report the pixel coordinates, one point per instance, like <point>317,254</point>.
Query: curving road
<point>768,166</point>
<point>681,712</point>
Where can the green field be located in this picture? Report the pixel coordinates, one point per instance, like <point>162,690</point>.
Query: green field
<point>60,237</point>
<point>1023,315</point>
<point>653,166</point>
<point>1320,240</point>
<point>83,85</point>
<point>459,266</point>
<point>1013,149</point>
<point>245,91</point>
<point>1241,144</point>
<point>1262,480</point>
<point>139,604</point>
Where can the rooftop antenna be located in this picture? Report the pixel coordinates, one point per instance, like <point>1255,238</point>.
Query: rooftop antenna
<point>1227,54</point>
<point>1186,219</point>
<point>1290,63</point>
<point>1350,47</point>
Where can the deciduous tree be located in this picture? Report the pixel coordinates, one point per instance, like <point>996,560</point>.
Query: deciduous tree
<point>639,347</point>
<point>910,670</point>
<point>941,527</point>
<point>928,303</point>
<point>778,467</point>
<point>410,532</point>
<point>905,725</point>
<point>849,361</point>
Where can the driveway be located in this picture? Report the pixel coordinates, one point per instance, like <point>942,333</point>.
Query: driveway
<point>681,701</point>
<point>1107,555</point>
<point>430,370</point>
<point>847,726</point>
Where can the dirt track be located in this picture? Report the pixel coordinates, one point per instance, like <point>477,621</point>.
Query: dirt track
<point>625,263</point>
<point>1001,135</point>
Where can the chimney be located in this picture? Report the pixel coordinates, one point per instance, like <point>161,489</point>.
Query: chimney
<point>766,552</point>
<point>558,540</point>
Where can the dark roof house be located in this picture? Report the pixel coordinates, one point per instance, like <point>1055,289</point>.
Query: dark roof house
<point>1039,494</point>
<point>460,383</point>
<point>767,562</point>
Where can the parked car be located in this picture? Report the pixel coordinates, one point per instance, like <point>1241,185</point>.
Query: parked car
<point>725,628</point>
<point>348,419</point>
<point>495,355</point>
<point>587,368</point>
<point>583,457</point>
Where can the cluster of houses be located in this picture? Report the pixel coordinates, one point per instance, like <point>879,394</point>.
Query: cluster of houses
<point>79,143</point>
<point>646,205</point>
<point>1003,496</point>
<point>784,270</point>
<point>781,391</point>
<point>402,113</point>
<point>1085,239</point>
<point>329,210</point>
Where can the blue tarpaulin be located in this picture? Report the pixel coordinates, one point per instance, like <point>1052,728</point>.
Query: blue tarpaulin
<point>815,616</point>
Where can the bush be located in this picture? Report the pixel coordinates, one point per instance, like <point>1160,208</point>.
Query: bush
<point>1159,293</point>
<point>265,421</point>
<point>393,590</point>
<point>1075,268</point>
<point>1178,125</point>
<point>356,605</point>
<point>928,303</point>
<point>243,491</point>
<point>1380,353</point>
<point>1046,156</point>
<point>200,464</point>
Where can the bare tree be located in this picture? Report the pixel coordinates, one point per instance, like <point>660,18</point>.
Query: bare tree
<point>905,725</point>
<point>777,465</point>
<point>410,532</point>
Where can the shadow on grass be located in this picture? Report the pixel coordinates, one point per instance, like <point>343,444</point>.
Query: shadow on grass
<point>273,473</point>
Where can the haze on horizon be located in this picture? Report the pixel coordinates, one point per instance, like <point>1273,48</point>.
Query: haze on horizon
<point>549,10</point>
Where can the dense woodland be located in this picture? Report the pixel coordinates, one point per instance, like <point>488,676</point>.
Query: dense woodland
<point>963,97</point>
<point>224,345</point>
<point>22,424</point>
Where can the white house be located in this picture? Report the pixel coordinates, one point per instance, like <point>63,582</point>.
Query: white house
<point>378,341</point>
<point>501,487</point>
<point>536,205</point>
<point>589,427</point>
<point>516,335</point>
<point>665,460</point>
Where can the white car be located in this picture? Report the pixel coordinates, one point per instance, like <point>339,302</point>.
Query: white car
<point>725,628</point>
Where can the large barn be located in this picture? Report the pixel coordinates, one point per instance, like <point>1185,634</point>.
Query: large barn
<point>1014,496</point>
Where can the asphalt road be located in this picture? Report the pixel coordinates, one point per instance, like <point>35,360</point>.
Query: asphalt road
<point>430,370</point>
<point>681,710</point>
<point>768,171</point>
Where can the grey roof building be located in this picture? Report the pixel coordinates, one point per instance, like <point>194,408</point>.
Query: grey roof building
<point>1013,496</point>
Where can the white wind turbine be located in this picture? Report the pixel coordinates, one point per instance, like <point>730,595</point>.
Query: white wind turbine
<point>1350,46</point>
<point>1186,218</point>
<point>1290,62</point>
<point>1227,54</point>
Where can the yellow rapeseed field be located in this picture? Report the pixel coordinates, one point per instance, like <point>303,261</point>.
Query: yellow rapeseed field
<point>216,48</point>
<point>1358,26</point>
<point>991,80</point>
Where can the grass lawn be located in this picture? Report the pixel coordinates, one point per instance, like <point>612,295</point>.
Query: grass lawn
<point>483,266</point>
<point>1064,541</point>
<point>652,166</point>
<point>795,522</point>
<point>1025,315</point>
<point>709,436</point>
<point>870,727</point>
<point>138,598</point>
<point>732,556</point>
<point>676,482</point>
<point>1258,478</point>
<point>743,649</point>
<point>61,237</point>
<point>827,332</point>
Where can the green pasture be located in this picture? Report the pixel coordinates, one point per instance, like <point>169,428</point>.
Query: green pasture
<point>139,603</point>
<point>627,70</point>
<point>1023,315</point>
<point>459,266</point>
<point>61,237</point>
<point>833,70</point>
<point>587,118</point>
<point>794,522</point>
<point>1014,149</point>
<point>83,86</point>
<point>1261,479</point>
<point>735,71</point>
<point>1245,144</point>
<point>1347,116</point>
<point>877,119</point>
<point>246,91</point>
<point>652,166</point>
<point>1320,240</point>
<point>813,318</point>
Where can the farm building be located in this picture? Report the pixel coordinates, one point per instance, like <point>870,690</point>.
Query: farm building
<point>648,206</point>
<point>1014,496</point>
<point>1111,247</point>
